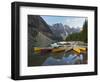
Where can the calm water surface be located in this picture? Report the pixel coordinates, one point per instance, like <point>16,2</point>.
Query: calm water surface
<point>61,58</point>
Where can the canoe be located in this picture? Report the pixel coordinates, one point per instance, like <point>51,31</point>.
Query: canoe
<point>42,50</point>
<point>37,50</point>
<point>79,50</point>
<point>56,50</point>
<point>82,49</point>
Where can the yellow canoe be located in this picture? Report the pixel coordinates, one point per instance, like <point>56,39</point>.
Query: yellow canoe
<point>82,49</point>
<point>42,50</point>
<point>55,50</point>
<point>37,50</point>
<point>79,50</point>
<point>52,50</point>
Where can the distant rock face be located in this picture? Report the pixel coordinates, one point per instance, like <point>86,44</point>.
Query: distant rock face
<point>59,28</point>
<point>68,29</point>
<point>61,31</point>
<point>71,30</point>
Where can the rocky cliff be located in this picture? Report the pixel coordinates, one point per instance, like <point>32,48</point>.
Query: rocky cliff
<point>39,33</point>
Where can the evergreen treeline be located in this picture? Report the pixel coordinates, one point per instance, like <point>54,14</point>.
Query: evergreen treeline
<point>81,36</point>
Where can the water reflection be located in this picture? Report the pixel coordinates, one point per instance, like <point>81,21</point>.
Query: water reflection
<point>57,58</point>
<point>70,59</point>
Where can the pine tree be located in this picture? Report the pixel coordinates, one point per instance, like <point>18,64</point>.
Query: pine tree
<point>81,36</point>
<point>84,32</point>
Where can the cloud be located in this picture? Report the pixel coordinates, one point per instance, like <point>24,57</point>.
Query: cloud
<point>75,21</point>
<point>71,21</point>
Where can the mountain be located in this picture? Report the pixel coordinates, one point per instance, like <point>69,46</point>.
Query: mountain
<point>39,33</point>
<point>70,30</point>
<point>61,31</point>
<point>37,23</point>
<point>58,31</point>
<point>59,28</point>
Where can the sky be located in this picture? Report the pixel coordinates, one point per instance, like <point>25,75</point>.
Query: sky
<point>71,21</point>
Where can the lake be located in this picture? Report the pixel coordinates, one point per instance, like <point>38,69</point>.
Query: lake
<point>61,58</point>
